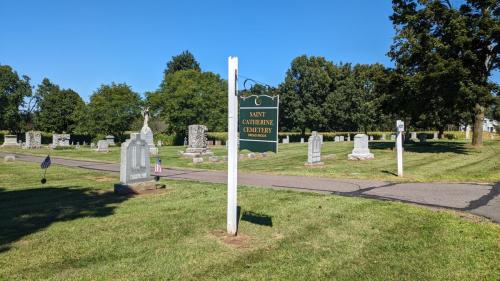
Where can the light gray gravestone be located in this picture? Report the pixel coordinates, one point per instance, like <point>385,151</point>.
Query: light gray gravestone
<point>159,143</point>
<point>185,141</point>
<point>60,140</point>
<point>393,137</point>
<point>314,150</point>
<point>77,146</point>
<point>371,138</point>
<point>341,138</point>
<point>301,140</point>
<point>147,133</point>
<point>321,138</point>
<point>382,137</point>
<point>413,136</point>
<point>197,160</point>
<point>110,139</point>
<point>348,137</point>
<point>92,145</point>
<point>10,140</point>
<point>435,136</point>
<point>361,150</point>
<point>336,139</point>
<point>198,145</point>
<point>218,142</point>
<point>286,140</point>
<point>102,146</point>
<point>135,168</point>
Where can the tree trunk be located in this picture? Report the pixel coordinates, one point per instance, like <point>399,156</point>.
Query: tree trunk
<point>477,127</point>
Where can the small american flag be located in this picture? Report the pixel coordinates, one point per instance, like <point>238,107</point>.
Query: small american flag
<point>46,163</point>
<point>158,166</point>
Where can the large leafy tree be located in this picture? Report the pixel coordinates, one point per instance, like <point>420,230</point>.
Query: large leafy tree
<point>302,95</point>
<point>59,110</point>
<point>13,93</point>
<point>448,54</point>
<point>190,97</point>
<point>111,110</point>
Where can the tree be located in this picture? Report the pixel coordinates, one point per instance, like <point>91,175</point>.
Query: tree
<point>302,94</point>
<point>59,110</point>
<point>183,61</point>
<point>13,91</point>
<point>112,109</point>
<point>448,54</point>
<point>191,97</point>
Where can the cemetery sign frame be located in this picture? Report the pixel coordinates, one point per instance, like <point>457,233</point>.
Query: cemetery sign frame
<point>258,123</point>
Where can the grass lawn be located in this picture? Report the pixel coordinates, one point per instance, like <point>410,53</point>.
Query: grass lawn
<point>450,161</point>
<point>74,229</point>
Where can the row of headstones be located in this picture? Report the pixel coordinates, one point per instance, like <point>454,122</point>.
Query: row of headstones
<point>315,142</point>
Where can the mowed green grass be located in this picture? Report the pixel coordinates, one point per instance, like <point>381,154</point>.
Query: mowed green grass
<point>74,229</point>
<point>449,161</point>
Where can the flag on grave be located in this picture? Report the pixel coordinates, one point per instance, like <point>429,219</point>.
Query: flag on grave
<point>158,168</point>
<point>46,163</point>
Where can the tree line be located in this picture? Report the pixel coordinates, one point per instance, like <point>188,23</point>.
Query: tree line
<point>444,57</point>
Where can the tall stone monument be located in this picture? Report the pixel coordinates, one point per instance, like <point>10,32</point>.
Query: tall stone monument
<point>314,150</point>
<point>135,169</point>
<point>33,139</point>
<point>197,146</point>
<point>147,133</point>
<point>60,140</point>
<point>361,150</point>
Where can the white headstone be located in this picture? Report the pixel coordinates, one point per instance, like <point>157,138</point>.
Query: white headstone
<point>10,140</point>
<point>435,137</point>
<point>286,140</point>
<point>413,136</point>
<point>382,137</point>
<point>467,132</point>
<point>110,139</point>
<point>60,139</point>
<point>336,139</point>
<point>314,149</point>
<point>348,137</point>
<point>102,146</point>
<point>341,138</point>
<point>361,150</point>
<point>134,165</point>
<point>321,138</point>
<point>301,140</point>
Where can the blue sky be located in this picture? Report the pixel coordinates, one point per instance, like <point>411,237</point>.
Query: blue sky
<point>83,44</point>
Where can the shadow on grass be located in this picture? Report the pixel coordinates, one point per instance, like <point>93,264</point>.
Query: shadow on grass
<point>257,218</point>
<point>27,211</point>
<point>428,147</point>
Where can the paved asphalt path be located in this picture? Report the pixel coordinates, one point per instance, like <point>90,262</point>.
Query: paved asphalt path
<point>479,199</point>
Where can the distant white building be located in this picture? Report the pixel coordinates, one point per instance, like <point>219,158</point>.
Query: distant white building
<point>488,126</point>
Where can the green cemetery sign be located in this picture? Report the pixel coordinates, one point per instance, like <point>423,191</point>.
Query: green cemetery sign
<point>258,123</point>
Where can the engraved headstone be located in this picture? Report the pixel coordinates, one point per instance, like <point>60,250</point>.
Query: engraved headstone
<point>198,145</point>
<point>314,150</point>
<point>110,139</point>
<point>301,140</point>
<point>10,140</point>
<point>361,150</point>
<point>60,140</point>
<point>341,138</point>
<point>102,146</point>
<point>413,136</point>
<point>135,169</point>
<point>33,139</point>
<point>435,136</point>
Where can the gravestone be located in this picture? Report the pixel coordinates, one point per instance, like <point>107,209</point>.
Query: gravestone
<point>9,158</point>
<point>84,143</point>
<point>159,143</point>
<point>413,136</point>
<point>341,138</point>
<point>10,140</point>
<point>197,160</point>
<point>110,139</point>
<point>218,142</point>
<point>197,142</point>
<point>102,146</point>
<point>147,133</point>
<point>321,138</point>
<point>185,141</point>
<point>314,150</point>
<point>348,137</point>
<point>467,132</point>
<point>393,137</point>
<point>135,169</point>
<point>336,139</point>
<point>60,140</point>
<point>382,137</point>
<point>77,146</point>
<point>301,140</point>
<point>286,140</point>
<point>435,137</point>
<point>361,150</point>
<point>371,138</point>
<point>92,145</point>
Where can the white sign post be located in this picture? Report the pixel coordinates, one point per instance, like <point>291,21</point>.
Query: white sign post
<point>232,148</point>
<point>400,127</point>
